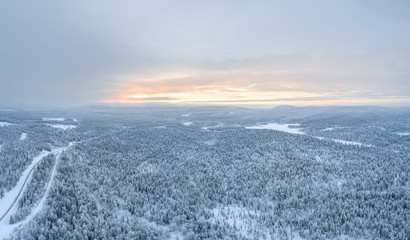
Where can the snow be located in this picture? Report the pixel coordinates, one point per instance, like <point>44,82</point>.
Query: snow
<point>211,142</point>
<point>239,218</point>
<point>161,127</point>
<point>23,136</point>
<point>75,120</point>
<point>5,124</point>
<point>54,119</point>
<point>176,236</point>
<point>1,147</point>
<point>186,115</point>
<point>347,142</point>
<point>210,127</point>
<point>404,133</point>
<point>344,141</point>
<point>278,127</point>
<point>328,129</point>
<point>187,123</point>
<point>61,126</point>
<point>8,204</point>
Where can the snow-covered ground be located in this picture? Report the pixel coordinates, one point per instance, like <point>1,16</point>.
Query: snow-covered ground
<point>186,115</point>
<point>344,141</point>
<point>5,124</point>
<point>61,126</point>
<point>187,123</point>
<point>8,204</point>
<point>23,136</point>
<point>75,120</point>
<point>328,129</point>
<point>210,127</point>
<point>278,127</point>
<point>54,119</point>
<point>239,218</point>
<point>176,236</point>
<point>404,133</point>
<point>211,142</point>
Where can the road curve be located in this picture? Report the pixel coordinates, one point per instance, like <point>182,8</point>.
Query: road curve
<point>22,187</point>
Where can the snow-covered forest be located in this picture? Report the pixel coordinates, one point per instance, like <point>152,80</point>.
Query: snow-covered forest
<point>205,173</point>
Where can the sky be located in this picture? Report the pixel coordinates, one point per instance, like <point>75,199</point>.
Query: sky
<point>214,52</point>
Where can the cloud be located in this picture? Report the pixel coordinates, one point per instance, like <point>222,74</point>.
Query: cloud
<point>273,78</point>
<point>81,52</point>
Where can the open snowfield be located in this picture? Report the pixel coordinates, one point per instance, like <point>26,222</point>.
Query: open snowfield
<point>61,126</point>
<point>5,124</point>
<point>54,119</point>
<point>278,127</point>
<point>23,136</point>
<point>344,141</point>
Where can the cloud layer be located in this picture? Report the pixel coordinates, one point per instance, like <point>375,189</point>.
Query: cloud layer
<point>204,52</point>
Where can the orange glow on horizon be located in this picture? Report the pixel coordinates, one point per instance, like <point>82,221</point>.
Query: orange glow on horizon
<point>236,88</point>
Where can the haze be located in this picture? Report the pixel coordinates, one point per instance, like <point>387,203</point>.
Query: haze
<point>245,53</point>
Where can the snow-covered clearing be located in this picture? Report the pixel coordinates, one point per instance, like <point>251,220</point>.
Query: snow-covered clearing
<point>61,126</point>
<point>161,127</point>
<point>278,127</point>
<point>210,127</point>
<point>344,141</point>
<point>23,136</point>
<point>185,115</point>
<point>328,129</point>
<point>211,142</point>
<point>245,221</point>
<point>54,119</point>
<point>404,134</point>
<point>187,123</point>
<point>75,120</point>
<point>176,236</point>
<point>5,124</point>
<point>9,203</point>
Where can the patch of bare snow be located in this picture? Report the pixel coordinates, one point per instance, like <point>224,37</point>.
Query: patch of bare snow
<point>5,124</point>
<point>23,136</point>
<point>239,218</point>
<point>211,142</point>
<point>185,115</point>
<point>278,127</point>
<point>61,126</point>
<point>176,236</point>
<point>75,120</point>
<point>187,123</point>
<point>327,129</point>
<point>54,119</point>
<point>210,127</point>
<point>344,142</point>
<point>404,134</point>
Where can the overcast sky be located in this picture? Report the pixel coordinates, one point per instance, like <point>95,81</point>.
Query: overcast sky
<point>205,52</point>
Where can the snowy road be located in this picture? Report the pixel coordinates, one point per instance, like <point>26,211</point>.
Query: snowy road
<point>8,204</point>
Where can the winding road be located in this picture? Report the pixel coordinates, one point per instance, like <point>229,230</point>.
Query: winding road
<point>8,204</point>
